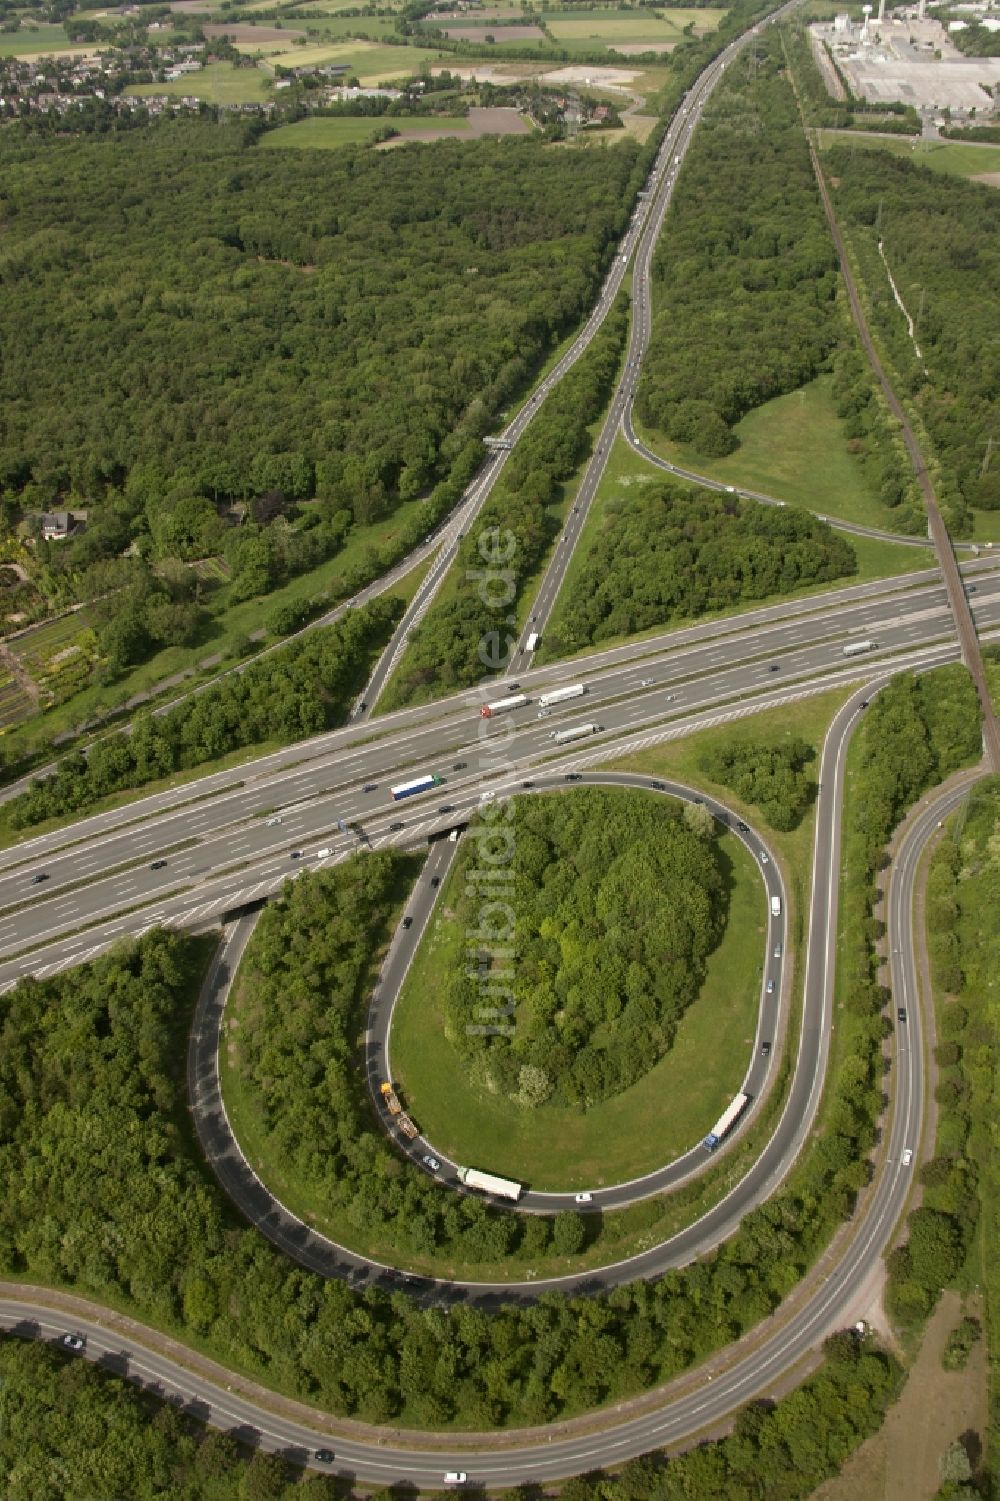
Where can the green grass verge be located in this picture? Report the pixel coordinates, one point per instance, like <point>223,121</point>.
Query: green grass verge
<point>627,470</point>
<point>660,1117</point>
<point>793,448</point>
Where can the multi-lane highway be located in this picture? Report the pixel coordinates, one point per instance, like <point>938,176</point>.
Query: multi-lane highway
<point>231,837</point>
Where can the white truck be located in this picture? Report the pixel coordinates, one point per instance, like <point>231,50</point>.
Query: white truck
<point>855,648</point>
<point>559,695</point>
<point>489,1183</point>
<point>776,906</point>
<point>515,701</point>
<point>578,731</point>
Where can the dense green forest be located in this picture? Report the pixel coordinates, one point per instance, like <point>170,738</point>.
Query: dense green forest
<point>69,1432</point>
<point>469,633</point>
<point>941,240</point>
<point>618,904</point>
<point>106,1193</point>
<point>676,553</point>
<point>745,278</point>
<point>186,320</point>
<point>775,778</point>
<point>305,687</point>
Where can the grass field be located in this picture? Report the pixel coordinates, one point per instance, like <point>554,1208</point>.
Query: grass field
<point>319,134</point>
<point>957,158</point>
<point>607,27</point>
<point>371,62</point>
<point>218,83</point>
<point>329,133</point>
<point>794,448</point>
<point>31,41</point>
<point>661,1116</point>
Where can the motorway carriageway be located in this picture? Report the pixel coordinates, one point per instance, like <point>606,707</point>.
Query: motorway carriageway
<point>228,834</point>
<point>908,595</point>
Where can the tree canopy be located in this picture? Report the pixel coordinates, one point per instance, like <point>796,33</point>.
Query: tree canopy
<point>618,904</point>
<point>188,319</point>
<point>670,553</point>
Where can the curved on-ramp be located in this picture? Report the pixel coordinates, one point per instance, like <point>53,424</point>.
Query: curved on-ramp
<point>686,1408</point>
<point>322,1254</point>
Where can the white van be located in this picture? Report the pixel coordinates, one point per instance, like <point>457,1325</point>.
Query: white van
<point>324,854</point>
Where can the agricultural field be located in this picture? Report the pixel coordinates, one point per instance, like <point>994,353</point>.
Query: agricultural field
<point>15,703</point>
<point>219,83</point>
<point>329,134</point>
<point>371,62</point>
<point>39,41</point>
<point>597,28</point>
<point>59,656</point>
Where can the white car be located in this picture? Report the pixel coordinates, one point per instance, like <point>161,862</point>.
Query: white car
<point>486,797</point>
<point>455,1477</point>
<point>907,1156</point>
<point>584,1198</point>
<point>271,822</point>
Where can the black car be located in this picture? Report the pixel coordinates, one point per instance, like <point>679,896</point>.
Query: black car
<point>158,864</point>
<point>325,1456</point>
<point>901,1014</point>
<point>773,667</point>
<point>370,787</point>
<point>659,786</point>
<point>447,808</point>
<point>744,828</point>
<point>39,877</point>
<point>395,827</point>
<point>460,765</point>
<point>699,799</point>
<point>573,776</point>
<point>765,1050</point>
<point>527,784</point>
<point>864,703</point>
<point>435,880</point>
<point>295,855</point>
<point>407,922</point>
<point>73,1341</point>
<point>513,687</point>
